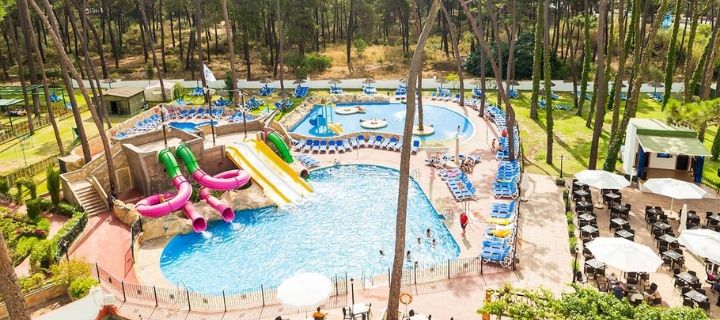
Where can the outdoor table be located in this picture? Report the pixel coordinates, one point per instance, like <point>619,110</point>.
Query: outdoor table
<point>589,229</point>
<point>611,198</point>
<point>581,194</point>
<point>583,205</point>
<point>578,185</point>
<point>674,256</point>
<point>696,296</point>
<point>625,234</point>
<point>652,211</point>
<point>619,222</point>
<point>636,298</point>
<point>715,217</point>
<point>595,264</point>
<point>660,225</point>
<point>666,238</point>
<point>359,308</point>
<point>586,217</point>
<point>687,277</point>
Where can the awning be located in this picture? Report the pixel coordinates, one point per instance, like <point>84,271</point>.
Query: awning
<point>9,102</point>
<point>689,146</point>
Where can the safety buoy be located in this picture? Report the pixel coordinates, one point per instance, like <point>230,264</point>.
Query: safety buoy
<point>405,298</point>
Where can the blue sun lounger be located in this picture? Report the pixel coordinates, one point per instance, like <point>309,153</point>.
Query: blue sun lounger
<point>377,142</point>
<point>361,141</point>
<point>299,145</point>
<point>353,142</point>
<point>415,146</point>
<point>331,146</point>
<point>502,256</point>
<point>309,145</point>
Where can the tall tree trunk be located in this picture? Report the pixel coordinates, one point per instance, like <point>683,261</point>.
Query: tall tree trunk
<point>348,40</point>
<point>602,87</point>
<point>671,55</point>
<point>537,60</point>
<point>246,51</point>
<point>150,39</point>
<point>162,37</point>
<point>48,16</point>
<point>587,57</point>
<point>25,24</point>
<point>549,121</point>
<point>640,62</point>
<point>512,39</point>
<point>280,40</point>
<point>231,49</point>
<point>46,91</point>
<point>14,300</point>
<point>689,62</point>
<point>21,73</point>
<point>400,224</point>
<point>456,53</point>
<point>622,62</point>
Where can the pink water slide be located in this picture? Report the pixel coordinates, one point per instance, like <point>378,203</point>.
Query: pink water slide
<point>234,178</point>
<point>159,205</point>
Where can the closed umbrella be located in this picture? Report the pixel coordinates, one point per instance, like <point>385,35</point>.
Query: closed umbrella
<point>683,218</point>
<point>674,189</point>
<point>602,179</point>
<point>624,254</point>
<point>304,289</point>
<point>702,242</point>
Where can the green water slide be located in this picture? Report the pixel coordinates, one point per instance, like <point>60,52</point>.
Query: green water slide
<point>171,165</point>
<point>279,143</point>
<point>188,158</point>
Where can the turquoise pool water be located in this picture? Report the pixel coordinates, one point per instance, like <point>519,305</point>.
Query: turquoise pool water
<point>444,121</point>
<point>189,126</point>
<point>340,228</point>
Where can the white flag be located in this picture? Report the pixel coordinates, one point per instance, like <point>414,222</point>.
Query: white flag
<point>209,76</point>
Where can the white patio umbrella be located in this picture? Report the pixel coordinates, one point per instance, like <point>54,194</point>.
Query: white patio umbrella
<point>702,242</point>
<point>602,179</point>
<point>304,289</point>
<point>683,218</point>
<point>674,189</point>
<point>624,254</point>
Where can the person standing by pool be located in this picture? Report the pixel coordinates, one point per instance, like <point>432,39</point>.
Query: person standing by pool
<point>319,315</point>
<point>463,222</point>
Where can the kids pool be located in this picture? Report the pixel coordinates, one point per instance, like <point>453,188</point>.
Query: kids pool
<point>189,126</point>
<point>341,228</point>
<point>444,121</point>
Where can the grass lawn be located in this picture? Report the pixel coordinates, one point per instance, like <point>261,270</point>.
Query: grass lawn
<point>572,139</point>
<point>15,153</point>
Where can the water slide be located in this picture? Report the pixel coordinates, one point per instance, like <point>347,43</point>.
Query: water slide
<point>279,181</point>
<point>228,180</point>
<point>279,143</point>
<point>159,205</point>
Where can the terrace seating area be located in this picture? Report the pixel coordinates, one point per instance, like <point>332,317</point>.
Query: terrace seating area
<point>321,146</point>
<point>500,234</point>
<point>443,95</point>
<point>283,105</point>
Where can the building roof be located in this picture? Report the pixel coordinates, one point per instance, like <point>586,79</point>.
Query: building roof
<point>659,137</point>
<point>124,92</point>
<point>9,102</point>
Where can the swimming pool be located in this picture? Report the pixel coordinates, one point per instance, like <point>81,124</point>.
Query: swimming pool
<point>189,126</point>
<point>340,228</point>
<point>444,121</point>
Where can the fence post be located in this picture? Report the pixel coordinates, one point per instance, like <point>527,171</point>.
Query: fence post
<point>97,271</point>
<point>187,294</point>
<point>122,284</point>
<point>336,285</point>
<point>481,266</point>
<point>224,301</point>
<point>448,269</point>
<point>155,293</point>
<point>262,294</point>
<point>415,266</point>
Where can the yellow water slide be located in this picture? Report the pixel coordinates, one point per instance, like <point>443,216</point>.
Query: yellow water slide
<point>279,181</point>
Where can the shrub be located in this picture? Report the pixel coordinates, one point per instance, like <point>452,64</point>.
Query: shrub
<point>66,209</point>
<point>23,248</point>
<point>43,224</point>
<point>31,282</point>
<point>19,188</point>
<point>32,188</point>
<point>67,271</point>
<point>80,287</point>
<point>360,45</point>
<point>177,91</point>
<point>42,255</point>
<point>4,187</point>
<point>34,209</point>
<point>53,185</point>
<point>317,62</point>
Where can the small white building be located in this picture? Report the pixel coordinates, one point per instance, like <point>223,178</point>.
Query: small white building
<point>652,146</point>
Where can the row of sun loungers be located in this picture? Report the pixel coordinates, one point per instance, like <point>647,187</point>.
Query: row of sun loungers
<point>657,96</point>
<point>336,90</point>
<point>239,115</point>
<point>142,126</point>
<point>500,235</point>
<point>283,104</point>
<point>300,92</point>
<point>342,145</point>
<point>253,103</point>
<point>507,180</point>
<point>562,107</point>
<point>369,89</point>
<point>307,161</point>
<point>458,183</point>
<point>198,113</point>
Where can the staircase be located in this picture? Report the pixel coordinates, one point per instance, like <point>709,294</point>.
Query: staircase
<point>88,198</point>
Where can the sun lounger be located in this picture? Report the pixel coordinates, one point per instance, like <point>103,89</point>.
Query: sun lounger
<point>415,146</point>
<point>331,146</point>
<point>361,141</point>
<point>323,146</point>
<point>377,142</point>
<point>316,146</point>
<point>353,142</point>
<point>340,146</point>
<point>309,145</point>
<point>299,145</point>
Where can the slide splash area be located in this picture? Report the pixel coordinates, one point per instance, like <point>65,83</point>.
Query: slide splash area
<point>159,205</point>
<point>279,181</point>
<point>228,180</point>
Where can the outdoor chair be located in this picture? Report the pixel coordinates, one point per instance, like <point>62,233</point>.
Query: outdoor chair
<point>705,305</point>
<point>687,302</point>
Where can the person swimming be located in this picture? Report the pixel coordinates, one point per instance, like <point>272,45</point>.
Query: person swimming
<point>409,258</point>
<point>428,233</point>
<point>434,243</point>
<point>382,253</point>
<point>419,240</point>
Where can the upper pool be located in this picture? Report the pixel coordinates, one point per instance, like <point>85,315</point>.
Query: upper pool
<point>340,228</point>
<point>445,121</point>
<point>189,126</point>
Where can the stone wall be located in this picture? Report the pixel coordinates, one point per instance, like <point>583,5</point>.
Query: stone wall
<point>38,297</point>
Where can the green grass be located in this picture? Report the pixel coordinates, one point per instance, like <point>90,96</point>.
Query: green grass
<point>572,139</point>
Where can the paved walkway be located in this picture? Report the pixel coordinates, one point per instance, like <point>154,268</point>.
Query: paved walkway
<point>381,85</point>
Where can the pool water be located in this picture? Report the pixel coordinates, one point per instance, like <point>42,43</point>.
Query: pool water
<point>189,126</point>
<point>340,228</point>
<point>444,121</point>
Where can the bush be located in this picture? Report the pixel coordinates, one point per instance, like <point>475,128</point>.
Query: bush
<point>32,188</point>
<point>19,187</point>
<point>31,282</point>
<point>44,224</point>
<point>177,91</point>
<point>34,209</point>
<point>68,271</point>
<point>66,209</point>
<point>360,45</point>
<point>43,255</point>
<point>4,187</point>
<point>318,63</point>
<point>53,185</point>
<point>23,248</point>
<point>80,287</point>
<point>523,60</point>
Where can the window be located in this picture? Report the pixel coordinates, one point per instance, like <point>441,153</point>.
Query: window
<point>664,155</point>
